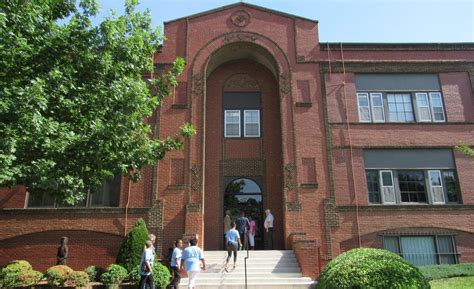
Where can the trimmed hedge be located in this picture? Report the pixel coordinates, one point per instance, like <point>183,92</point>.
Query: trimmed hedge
<point>58,275</point>
<point>130,253</point>
<point>447,271</point>
<point>370,268</point>
<point>115,275</point>
<point>19,273</point>
<point>161,275</point>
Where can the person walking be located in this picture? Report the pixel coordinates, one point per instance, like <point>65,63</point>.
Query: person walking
<point>193,257</point>
<point>243,226</point>
<point>251,233</point>
<point>227,220</point>
<point>233,242</point>
<point>268,225</point>
<point>146,266</point>
<point>176,263</point>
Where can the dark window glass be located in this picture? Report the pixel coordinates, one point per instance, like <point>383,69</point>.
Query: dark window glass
<point>108,195</point>
<point>392,244</point>
<point>373,186</point>
<point>451,187</point>
<point>40,199</point>
<point>446,252</point>
<point>412,186</point>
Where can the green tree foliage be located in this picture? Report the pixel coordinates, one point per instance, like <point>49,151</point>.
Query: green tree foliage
<point>73,98</point>
<point>130,252</point>
<point>465,149</point>
<point>370,268</point>
<point>115,275</point>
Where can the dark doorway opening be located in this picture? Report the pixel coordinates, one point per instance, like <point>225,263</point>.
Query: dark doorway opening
<point>244,194</point>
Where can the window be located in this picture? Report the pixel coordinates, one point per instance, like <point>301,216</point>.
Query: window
<point>251,123</point>
<point>412,186</point>
<point>399,107</point>
<point>423,250</point>
<point>108,195</point>
<point>232,123</point>
<point>395,97</point>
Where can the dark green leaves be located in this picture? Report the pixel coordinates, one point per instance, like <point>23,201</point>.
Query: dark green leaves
<point>72,97</point>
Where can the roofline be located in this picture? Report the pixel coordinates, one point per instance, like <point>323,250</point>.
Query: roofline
<point>397,46</point>
<point>239,4</point>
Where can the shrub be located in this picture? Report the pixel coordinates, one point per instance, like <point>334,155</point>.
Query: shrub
<point>79,279</point>
<point>19,273</point>
<point>370,268</point>
<point>94,273</point>
<point>114,275</point>
<point>130,252</point>
<point>161,275</point>
<point>58,275</point>
<point>447,271</point>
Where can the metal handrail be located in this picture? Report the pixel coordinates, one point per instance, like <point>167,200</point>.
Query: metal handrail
<point>246,246</point>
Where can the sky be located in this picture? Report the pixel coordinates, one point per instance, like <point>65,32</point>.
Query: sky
<point>405,21</point>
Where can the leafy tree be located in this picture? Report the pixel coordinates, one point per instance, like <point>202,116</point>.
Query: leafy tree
<point>465,149</point>
<point>73,99</point>
<point>130,252</point>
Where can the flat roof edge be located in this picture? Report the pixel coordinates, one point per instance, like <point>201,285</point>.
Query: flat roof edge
<point>397,46</point>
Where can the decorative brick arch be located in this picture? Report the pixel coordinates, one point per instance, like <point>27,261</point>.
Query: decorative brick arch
<point>204,54</point>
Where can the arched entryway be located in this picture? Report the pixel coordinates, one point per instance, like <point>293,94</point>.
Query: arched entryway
<point>243,140</point>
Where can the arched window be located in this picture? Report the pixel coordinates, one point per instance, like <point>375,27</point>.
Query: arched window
<point>243,192</point>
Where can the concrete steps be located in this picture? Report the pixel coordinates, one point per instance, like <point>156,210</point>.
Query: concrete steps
<point>265,270</point>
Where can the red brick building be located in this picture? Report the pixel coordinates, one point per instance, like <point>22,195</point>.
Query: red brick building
<point>348,144</point>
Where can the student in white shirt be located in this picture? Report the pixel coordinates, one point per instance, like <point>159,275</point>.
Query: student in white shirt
<point>268,225</point>
<point>176,263</point>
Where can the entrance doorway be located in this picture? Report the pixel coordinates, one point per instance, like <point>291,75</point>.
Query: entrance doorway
<point>244,194</point>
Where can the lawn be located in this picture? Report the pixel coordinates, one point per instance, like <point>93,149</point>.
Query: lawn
<point>453,283</point>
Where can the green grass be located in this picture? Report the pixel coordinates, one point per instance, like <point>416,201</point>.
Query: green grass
<point>453,283</point>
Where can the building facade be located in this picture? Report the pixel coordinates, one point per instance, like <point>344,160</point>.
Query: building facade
<point>350,145</point>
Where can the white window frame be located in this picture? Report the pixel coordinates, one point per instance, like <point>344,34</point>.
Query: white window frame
<point>258,122</point>
<point>431,94</point>
<point>382,187</point>
<point>372,106</point>
<point>364,94</point>
<point>225,123</point>
<point>418,106</point>
<point>433,186</point>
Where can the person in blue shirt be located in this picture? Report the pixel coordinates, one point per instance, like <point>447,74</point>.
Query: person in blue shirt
<point>193,257</point>
<point>232,238</point>
<point>176,263</point>
<point>146,266</point>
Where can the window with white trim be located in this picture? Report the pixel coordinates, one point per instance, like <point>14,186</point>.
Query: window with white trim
<point>408,186</point>
<point>251,123</point>
<point>383,106</point>
<point>423,250</point>
<point>232,123</point>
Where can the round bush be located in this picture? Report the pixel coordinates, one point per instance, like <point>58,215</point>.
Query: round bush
<point>58,275</point>
<point>94,273</point>
<point>19,273</point>
<point>370,268</point>
<point>161,275</point>
<point>114,275</point>
<point>79,279</point>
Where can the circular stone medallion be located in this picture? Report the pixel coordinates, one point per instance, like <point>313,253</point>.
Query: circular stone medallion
<point>240,18</point>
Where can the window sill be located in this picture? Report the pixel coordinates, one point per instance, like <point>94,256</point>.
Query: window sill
<point>179,106</point>
<point>176,187</point>
<point>304,104</point>
<point>405,207</point>
<point>309,186</point>
<point>72,211</point>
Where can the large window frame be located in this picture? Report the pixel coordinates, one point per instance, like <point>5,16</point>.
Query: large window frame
<point>443,191</point>
<point>421,104</point>
<point>242,123</point>
<point>444,248</point>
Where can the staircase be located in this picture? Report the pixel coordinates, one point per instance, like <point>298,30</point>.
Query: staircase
<point>265,269</point>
